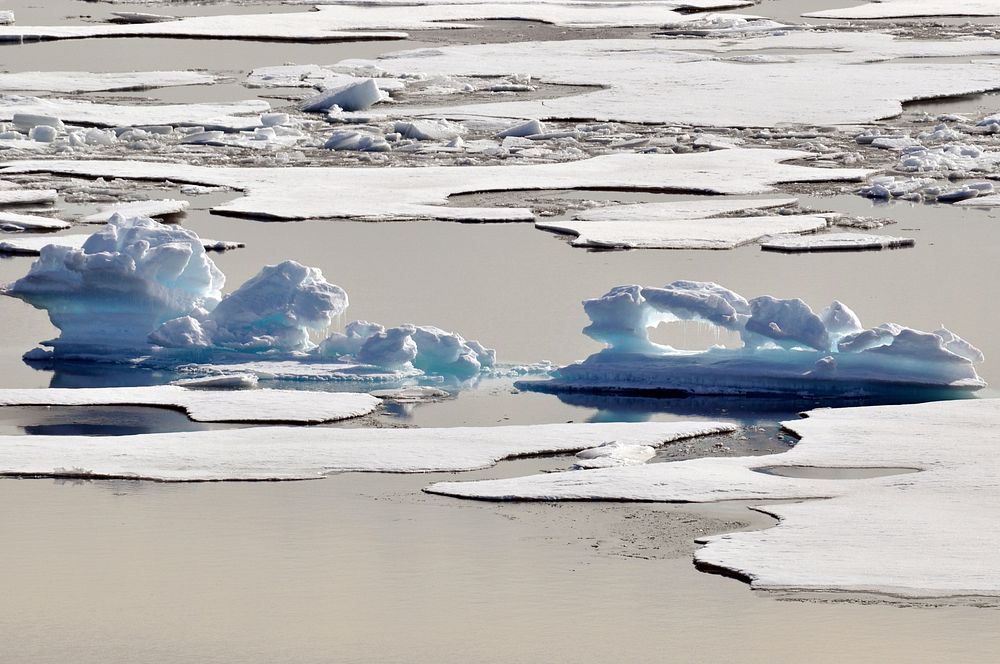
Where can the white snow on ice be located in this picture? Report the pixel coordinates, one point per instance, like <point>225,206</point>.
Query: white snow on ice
<point>422,192</point>
<point>912,9</point>
<point>835,242</point>
<point>681,225</point>
<point>76,82</point>
<point>282,453</point>
<point>208,405</point>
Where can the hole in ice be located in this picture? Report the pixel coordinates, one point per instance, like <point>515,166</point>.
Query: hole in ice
<point>693,335</point>
<point>828,473</point>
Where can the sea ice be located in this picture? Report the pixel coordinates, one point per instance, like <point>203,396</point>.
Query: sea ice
<point>912,9</point>
<point>422,192</point>
<point>787,349</point>
<point>31,245</point>
<point>77,82</point>
<point>224,116</point>
<point>154,208</point>
<point>13,221</point>
<point>681,225</point>
<point>27,196</point>
<point>923,534</point>
<point>835,242</point>
<point>209,405</point>
<point>677,82</point>
<point>282,453</point>
<point>349,21</point>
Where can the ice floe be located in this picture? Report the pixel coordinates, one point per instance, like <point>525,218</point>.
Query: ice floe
<point>422,192</point>
<point>912,9</point>
<point>682,225</point>
<point>209,405</point>
<point>153,208</point>
<point>901,535</point>
<point>228,116</point>
<point>76,82</point>
<point>368,21</point>
<point>786,349</point>
<point>31,245</point>
<point>835,242</point>
<point>676,81</point>
<point>14,221</point>
<point>27,196</point>
<point>281,453</point>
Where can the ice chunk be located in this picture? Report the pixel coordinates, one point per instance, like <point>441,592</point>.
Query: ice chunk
<point>77,82</point>
<point>612,454</point>
<point>427,130</point>
<point>209,405</point>
<point>835,242</point>
<point>525,129</point>
<point>358,96</point>
<point>27,196</point>
<point>126,280</point>
<point>284,453</point>
<point>358,141</point>
<point>13,221</point>
<point>787,349</point>
<point>154,208</point>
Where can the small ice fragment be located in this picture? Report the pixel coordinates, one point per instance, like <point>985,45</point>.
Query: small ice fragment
<point>529,128</point>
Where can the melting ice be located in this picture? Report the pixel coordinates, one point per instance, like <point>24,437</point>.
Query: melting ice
<point>786,348</point>
<point>141,290</point>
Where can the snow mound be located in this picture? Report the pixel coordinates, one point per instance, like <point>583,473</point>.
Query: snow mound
<point>787,349</point>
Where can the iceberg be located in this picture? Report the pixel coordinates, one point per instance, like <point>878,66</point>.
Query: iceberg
<point>787,349</point>
<point>143,292</point>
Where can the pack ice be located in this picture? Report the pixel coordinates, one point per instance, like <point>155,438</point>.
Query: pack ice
<point>422,192</point>
<point>138,288</point>
<point>912,9</point>
<point>924,534</point>
<point>786,349</point>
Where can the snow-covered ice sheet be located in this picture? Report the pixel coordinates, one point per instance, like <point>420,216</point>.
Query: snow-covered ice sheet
<point>786,349</point>
<point>675,81</point>
<point>229,116</point>
<point>912,9</point>
<point>362,20</point>
<point>264,405</point>
<point>681,225</point>
<point>422,192</point>
<point>153,208</point>
<point>281,453</point>
<point>14,221</point>
<point>31,245</point>
<point>75,82</point>
<point>925,534</point>
<point>835,242</point>
<point>27,196</point>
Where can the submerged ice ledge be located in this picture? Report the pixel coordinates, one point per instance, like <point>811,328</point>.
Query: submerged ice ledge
<point>142,292</point>
<point>786,349</point>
